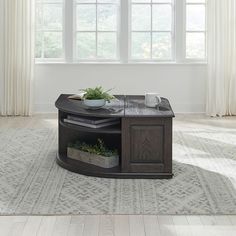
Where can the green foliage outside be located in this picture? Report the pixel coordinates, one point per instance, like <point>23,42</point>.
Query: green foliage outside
<point>49,44</point>
<point>99,148</point>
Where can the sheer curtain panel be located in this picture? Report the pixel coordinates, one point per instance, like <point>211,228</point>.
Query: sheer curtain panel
<point>17,57</point>
<point>221,87</point>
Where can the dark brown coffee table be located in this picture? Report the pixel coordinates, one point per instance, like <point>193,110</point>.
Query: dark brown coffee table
<point>143,137</point>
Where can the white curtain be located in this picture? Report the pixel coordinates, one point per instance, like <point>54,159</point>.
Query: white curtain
<point>221,90</point>
<point>17,62</point>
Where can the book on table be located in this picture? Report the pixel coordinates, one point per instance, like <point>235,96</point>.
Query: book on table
<point>94,126</point>
<point>91,120</point>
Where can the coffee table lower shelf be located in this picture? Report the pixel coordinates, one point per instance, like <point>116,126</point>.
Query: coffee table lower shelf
<point>91,170</point>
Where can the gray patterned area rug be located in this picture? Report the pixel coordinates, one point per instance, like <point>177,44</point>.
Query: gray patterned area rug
<point>31,182</point>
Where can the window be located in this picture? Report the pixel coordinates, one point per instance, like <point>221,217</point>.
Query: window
<point>96,29</point>
<point>49,29</point>
<point>152,29</point>
<point>121,30</point>
<point>195,29</point>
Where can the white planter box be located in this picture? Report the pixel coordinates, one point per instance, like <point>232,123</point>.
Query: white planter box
<point>97,160</point>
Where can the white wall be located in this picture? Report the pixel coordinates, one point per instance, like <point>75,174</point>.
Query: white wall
<point>183,85</point>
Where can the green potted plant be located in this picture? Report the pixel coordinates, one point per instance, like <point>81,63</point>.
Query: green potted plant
<point>97,154</point>
<point>96,97</point>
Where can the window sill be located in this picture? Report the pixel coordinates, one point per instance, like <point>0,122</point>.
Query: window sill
<point>120,63</point>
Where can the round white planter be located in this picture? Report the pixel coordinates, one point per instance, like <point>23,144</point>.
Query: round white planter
<point>94,103</point>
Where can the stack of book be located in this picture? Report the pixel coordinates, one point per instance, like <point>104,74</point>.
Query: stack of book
<point>91,122</point>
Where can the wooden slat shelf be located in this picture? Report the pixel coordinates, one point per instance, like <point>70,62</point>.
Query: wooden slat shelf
<point>115,129</point>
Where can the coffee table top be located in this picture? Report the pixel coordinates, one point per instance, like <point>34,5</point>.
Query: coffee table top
<point>113,109</point>
<point>135,107</point>
<point>123,106</point>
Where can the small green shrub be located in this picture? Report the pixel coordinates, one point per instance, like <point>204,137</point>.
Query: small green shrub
<point>99,148</point>
<point>97,93</point>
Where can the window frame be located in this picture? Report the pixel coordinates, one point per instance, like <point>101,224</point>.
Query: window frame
<point>50,60</point>
<point>172,32</point>
<point>124,38</point>
<point>75,31</point>
<point>194,60</point>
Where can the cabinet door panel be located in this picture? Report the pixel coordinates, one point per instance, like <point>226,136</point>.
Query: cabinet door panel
<point>147,145</point>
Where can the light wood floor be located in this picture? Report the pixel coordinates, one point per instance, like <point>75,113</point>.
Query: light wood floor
<point>119,225</point>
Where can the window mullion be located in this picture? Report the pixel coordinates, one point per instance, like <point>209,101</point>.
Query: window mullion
<point>69,31</point>
<point>124,30</point>
<point>180,30</point>
<point>151,33</point>
<point>96,28</point>
<point>42,39</point>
